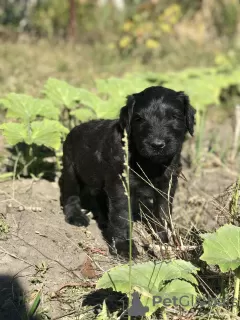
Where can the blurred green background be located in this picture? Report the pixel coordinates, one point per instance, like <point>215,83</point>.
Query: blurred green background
<point>80,40</point>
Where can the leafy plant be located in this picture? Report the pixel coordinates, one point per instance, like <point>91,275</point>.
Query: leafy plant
<point>31,130</point>
<point>38,126</point>
<point>64,97</point>
<point>27,108</point>
<point>167,279</point>
<point>222,248</point>
<point>45,122</point>
<point>45,132</point>
<point>61,93</point>
<point>4,227</point>
<point>85,105</point>
<point>203,85</point>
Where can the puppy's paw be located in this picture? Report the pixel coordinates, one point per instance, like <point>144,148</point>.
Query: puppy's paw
<point>164,236</point>
<point>121,247</point>
<point>75,215</point>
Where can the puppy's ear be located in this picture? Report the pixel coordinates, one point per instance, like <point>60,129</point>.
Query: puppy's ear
<point>126,114</point>
<point>189,112</point>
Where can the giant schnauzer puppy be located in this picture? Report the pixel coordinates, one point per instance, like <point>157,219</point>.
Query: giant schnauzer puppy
<point>156,121</point>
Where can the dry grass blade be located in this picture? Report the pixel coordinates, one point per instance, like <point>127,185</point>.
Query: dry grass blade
<point>237,133</point>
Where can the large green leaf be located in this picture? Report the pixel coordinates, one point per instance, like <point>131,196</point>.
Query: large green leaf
<point>203,85</point>
<point>165,279</point>
<point>15,132</point>
<point>46,132</point>
<point>84,114</point>
<point>27,108</point>
<point>175,293</point>
<point>91,100</point>
<point>116,87</point>
<point>112,86</point>
<point>61,93</point>
<point>222,247</point>
<point>111,108</point>
<point>115,91</point>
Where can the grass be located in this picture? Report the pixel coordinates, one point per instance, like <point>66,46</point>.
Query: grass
<point>126,184</point>
<point>27,64</point>
<point>4,228</point>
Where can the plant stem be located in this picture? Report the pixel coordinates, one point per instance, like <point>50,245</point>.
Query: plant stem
<point>14,174</point>
<point>127,189</point>
<point>236,295</point>
<point>235,199</point>
<point>199,135</point>
<point>130,227</point>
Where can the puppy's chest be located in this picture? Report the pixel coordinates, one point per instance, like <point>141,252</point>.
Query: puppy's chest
<point>143,185</point>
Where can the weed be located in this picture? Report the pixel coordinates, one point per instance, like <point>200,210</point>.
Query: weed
<point>4,227</point>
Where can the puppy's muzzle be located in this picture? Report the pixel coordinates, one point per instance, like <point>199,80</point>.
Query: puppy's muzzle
<point>158,144</point>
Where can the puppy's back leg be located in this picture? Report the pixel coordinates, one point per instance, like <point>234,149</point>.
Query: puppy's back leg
<point>70,195</point>
<point>118,227</point>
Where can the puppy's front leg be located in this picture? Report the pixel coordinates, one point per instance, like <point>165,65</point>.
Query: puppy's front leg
<point>70,192</point>
<point>118,228</point>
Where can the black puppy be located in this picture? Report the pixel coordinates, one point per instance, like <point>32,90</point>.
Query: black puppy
<point>156,121</point>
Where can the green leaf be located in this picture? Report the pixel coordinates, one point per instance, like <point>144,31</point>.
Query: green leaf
<point>61,93</point>
<point>104,314</point>
<point>175,293</point>
<point>203,85</point>
<point>84,114</point>
<point>15,132</point>
<point>120,88</point>
<point>27,108</point>
<point>151,279</point>
<point>112,86</point>
<point>222,247</point>
<point>35,305</point>
<point>91,100</point>
<point>46,109</point>
<point>6,176</point>
<point>48,133</point>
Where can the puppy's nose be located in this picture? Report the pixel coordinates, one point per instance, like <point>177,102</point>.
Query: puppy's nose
<point>158,144</point>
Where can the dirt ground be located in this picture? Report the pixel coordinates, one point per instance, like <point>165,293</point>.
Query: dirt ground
<point>41,252</point>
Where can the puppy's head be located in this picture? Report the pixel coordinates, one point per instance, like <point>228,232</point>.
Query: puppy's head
<point>157,120</point>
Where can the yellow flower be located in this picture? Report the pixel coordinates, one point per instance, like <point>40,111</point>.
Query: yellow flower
<point>171,14</point>
<point>165,27</point>
<point>124,42</point>
<point>152,44</point>
<point>127,26</point>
